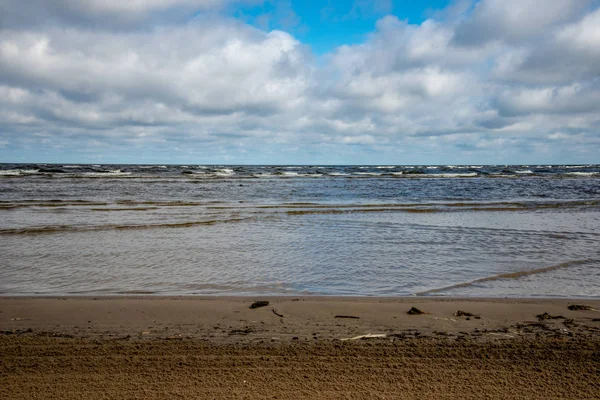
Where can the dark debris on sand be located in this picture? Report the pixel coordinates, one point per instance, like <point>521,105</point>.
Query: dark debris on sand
<point>545,315</point>
<point>260,303</point>
<point>461,313</point>
<point>243,331</point>
<point>415,311</point>
<point>579,307</point>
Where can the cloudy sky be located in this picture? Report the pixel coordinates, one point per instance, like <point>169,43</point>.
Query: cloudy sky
<point>300,82</point>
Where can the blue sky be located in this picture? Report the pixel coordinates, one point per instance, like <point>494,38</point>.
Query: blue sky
<point>325,25</point>
<point>287,81</point>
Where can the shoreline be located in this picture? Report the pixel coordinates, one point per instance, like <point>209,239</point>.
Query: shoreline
<point>285,318</point>
<point>297,347</point>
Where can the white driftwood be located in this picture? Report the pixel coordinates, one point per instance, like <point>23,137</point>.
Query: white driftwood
<point>444,319</point>
<point>367,336</point>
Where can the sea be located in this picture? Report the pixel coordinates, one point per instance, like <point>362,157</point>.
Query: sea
<point>372,230</point>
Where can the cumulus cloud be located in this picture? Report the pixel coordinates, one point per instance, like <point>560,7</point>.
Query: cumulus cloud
<point>515,20</point>
<point>203,68</point>
<point>99,13</point>
<point>489,81</point>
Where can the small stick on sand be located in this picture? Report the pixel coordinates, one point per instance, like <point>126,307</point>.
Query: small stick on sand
<point>347,316</point>
<point>276,313</point>
<point>367,336</point>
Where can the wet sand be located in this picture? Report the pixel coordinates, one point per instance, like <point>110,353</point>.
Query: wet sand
<point>154,348</point>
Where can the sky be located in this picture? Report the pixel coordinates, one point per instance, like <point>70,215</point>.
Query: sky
<point>300,82</point>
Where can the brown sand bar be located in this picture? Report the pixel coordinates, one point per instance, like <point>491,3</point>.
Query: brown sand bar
<point>218,347</point>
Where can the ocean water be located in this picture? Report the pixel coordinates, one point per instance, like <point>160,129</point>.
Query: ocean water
<point>491,231</point>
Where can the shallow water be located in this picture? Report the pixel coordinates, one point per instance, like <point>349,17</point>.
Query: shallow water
<point>351,230</point>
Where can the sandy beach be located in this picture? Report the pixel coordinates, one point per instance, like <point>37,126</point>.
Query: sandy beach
<point>305,347</point>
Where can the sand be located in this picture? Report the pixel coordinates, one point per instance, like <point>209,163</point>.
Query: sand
<point>218,348</point>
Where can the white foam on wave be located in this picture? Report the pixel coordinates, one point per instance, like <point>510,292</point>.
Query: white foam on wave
<point>112,174</point>
<point>457,175</point>
<point>369,173</point>
<point>575,166</point>
<point>432,167</point>
<point>290,174</point>
<point>524,171</point>
<point>386,167</point>
<point>583,173</point>
<point>465,175</point>
<point>71,166</point>
<point>18,172</point>
<point>224,172</point>
<point>338,174</point>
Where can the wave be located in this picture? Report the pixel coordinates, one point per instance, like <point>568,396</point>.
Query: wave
<point>152,167</point>
<point>11,205</point>
<point>71,228</point>
<point>449,175</point>
<point>158,172</point>
<point>65,174</point>
<point>457,175</point>
<point>103,174</point>
<point>431,207</point>
<point>125,209</point>
<point>583,173</point>
<point>19,172</point>
<point>509,275</point>
<point>438,206</point>
<point>224,172</point>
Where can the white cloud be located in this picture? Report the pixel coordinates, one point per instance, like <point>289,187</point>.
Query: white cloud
<point>363,139</point>
<point>584,35</point>
<point>515,20</point>
<point>202,68</point>
<point>103,13</point>
<point>574,98</point>
<point>215,86</point>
